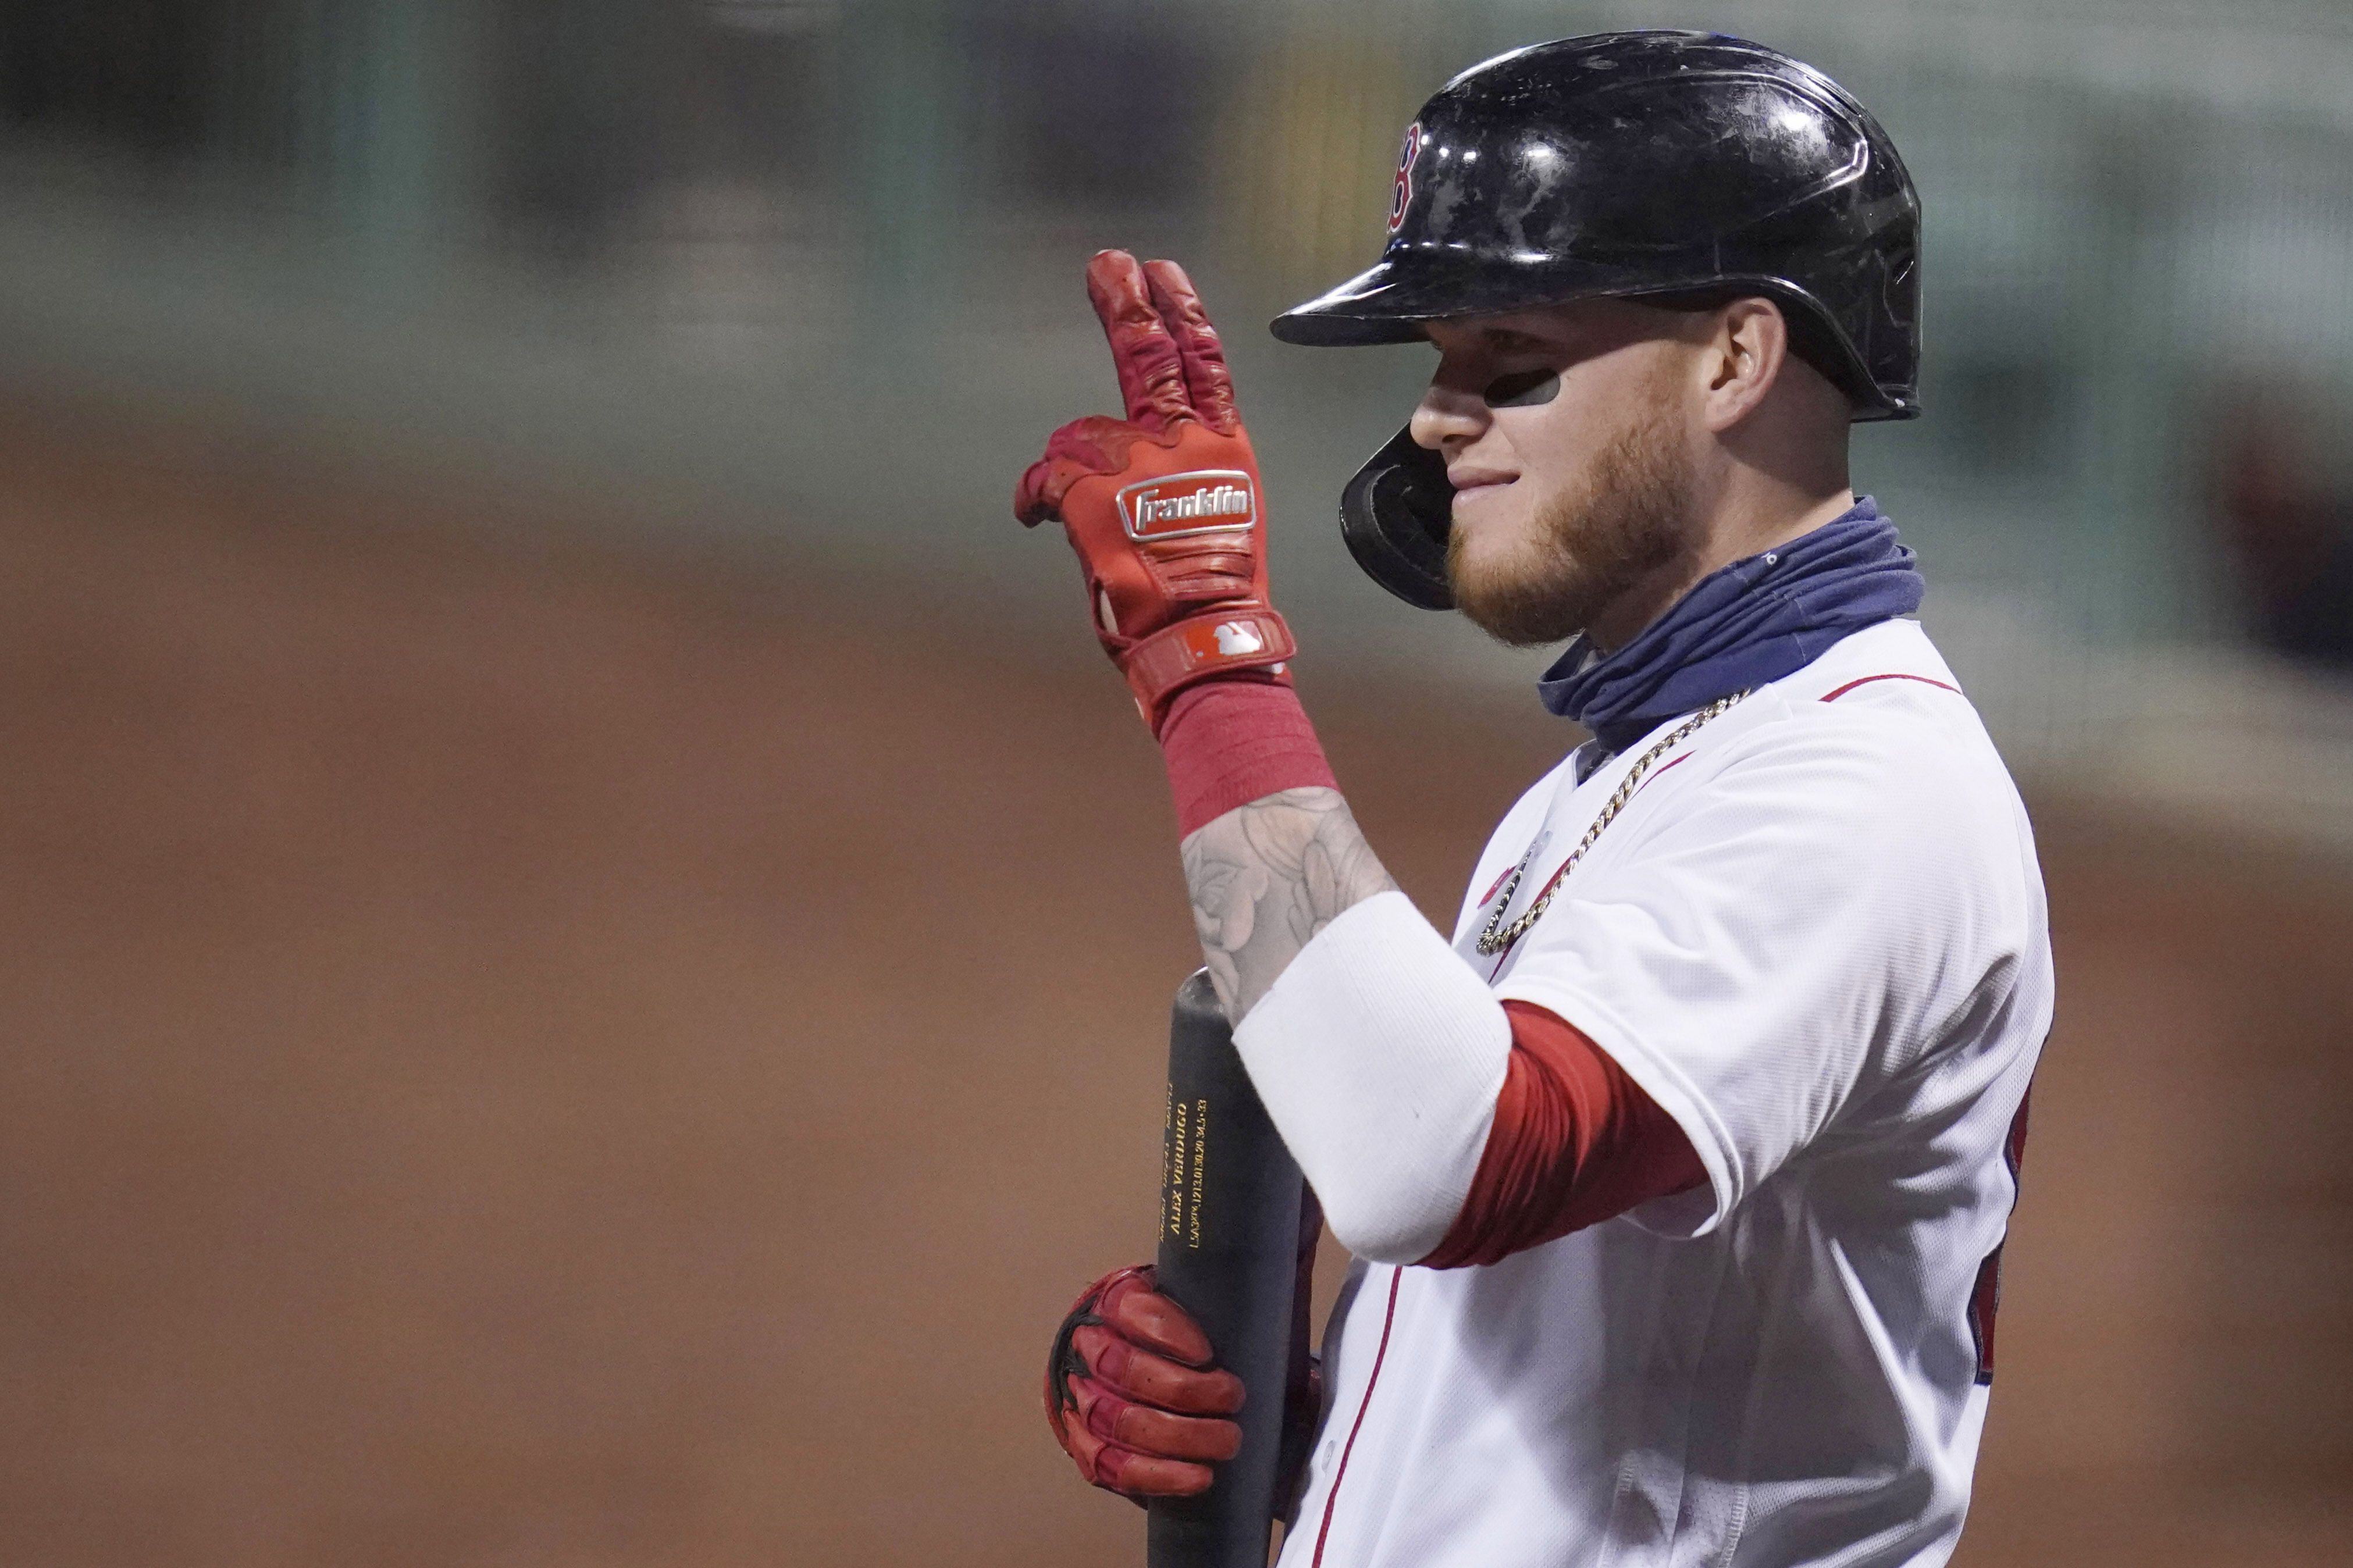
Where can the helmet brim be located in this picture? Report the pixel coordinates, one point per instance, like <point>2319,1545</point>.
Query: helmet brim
<point>1378,305</point>
<point>1389,301</point>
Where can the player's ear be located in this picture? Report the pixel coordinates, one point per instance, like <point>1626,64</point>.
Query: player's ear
<point>1747,344</point>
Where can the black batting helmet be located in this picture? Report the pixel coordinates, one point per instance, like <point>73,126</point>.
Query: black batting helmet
<point>1629,164</point>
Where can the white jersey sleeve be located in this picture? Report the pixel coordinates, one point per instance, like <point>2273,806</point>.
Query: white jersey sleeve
<point>1816,913</point>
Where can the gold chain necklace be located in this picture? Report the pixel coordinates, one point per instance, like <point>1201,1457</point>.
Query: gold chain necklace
<point>1494,940</point>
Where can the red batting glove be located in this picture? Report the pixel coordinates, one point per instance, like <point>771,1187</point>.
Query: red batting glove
<point>1130,1394</point>
<point>1162,507</point>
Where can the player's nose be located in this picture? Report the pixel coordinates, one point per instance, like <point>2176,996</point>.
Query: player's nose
<point>1447,419</point>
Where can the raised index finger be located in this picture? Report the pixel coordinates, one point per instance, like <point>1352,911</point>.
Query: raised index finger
<point>1211,384</point>
<point>1151,374</point>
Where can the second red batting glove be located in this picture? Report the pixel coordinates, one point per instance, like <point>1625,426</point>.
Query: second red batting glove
<point>1132,1395</point>
<point>1136,1398</point>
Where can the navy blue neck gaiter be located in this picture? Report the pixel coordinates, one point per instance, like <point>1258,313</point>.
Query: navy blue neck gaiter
<point>1754,621</point>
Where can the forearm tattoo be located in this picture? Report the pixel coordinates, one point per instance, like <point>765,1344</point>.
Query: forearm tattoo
<point>1265,878</point>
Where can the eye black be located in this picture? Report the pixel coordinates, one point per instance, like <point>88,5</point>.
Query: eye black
<point>1523,389</point>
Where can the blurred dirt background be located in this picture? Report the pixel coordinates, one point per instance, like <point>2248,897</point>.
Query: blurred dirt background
<point>525,1054</point>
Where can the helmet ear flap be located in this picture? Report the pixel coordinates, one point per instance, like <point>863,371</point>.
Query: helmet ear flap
<point>1395,515</point>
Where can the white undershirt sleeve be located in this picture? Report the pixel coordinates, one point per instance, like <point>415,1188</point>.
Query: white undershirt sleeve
<point>1379,1053</point>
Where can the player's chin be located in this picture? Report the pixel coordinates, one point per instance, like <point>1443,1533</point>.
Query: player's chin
<point>1513,588</point>
<point>1491,545</point>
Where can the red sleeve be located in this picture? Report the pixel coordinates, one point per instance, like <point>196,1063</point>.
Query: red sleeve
<point>1574,1141</point>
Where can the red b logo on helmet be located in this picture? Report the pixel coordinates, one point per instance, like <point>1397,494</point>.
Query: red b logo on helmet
<point>1404,192</point>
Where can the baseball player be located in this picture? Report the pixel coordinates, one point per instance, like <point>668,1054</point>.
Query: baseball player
<point>1676,1178</point>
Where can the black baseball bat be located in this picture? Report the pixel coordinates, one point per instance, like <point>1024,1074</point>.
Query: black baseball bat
<point>1229,1202</point>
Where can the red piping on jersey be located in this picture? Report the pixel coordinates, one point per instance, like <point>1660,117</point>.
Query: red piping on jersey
<point>1332,1498</point>
<point>1985,1296</point>
<point>1867,680</point>
<point>1662,772</point>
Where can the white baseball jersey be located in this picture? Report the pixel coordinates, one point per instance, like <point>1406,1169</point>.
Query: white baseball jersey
<point>1816,936</point>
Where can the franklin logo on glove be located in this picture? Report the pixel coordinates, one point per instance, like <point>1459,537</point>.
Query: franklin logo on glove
<point>1177,505</point>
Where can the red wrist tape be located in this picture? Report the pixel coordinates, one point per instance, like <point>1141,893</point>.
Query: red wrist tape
<point>1228,743</point>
